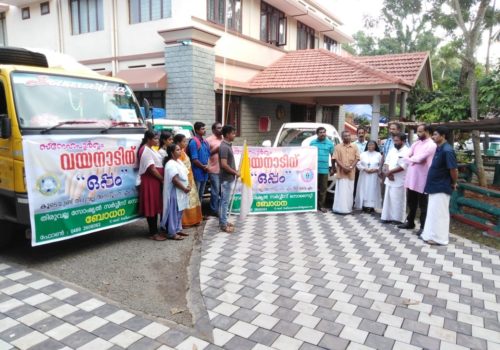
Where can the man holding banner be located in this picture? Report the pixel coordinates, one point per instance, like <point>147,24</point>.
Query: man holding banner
<point>227,176</point>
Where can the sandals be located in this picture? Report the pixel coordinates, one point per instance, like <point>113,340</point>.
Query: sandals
<point>176,238</point>
<point>157,237</point>
<point>227,229</point>
<point>183,234</point>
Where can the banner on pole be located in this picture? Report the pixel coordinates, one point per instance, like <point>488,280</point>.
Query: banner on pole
<point>77,185</point>
<point>284,179</point>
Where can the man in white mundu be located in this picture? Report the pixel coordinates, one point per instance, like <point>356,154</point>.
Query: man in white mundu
<point>394,207</point>
<point>344,160</point>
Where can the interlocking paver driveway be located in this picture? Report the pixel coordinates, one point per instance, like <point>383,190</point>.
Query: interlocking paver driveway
<point>310,281</point>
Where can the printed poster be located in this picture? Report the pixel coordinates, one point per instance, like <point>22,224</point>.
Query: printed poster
<point>284,179</point>
<point>79,184</point>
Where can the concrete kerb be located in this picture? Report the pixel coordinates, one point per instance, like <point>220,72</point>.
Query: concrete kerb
<point>195,303</point>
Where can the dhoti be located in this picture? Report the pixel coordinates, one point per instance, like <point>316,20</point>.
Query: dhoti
<point>344,196</point>
<point>394,207</point>
<point>437,222</point>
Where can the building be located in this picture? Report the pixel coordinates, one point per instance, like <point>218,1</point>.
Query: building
<point>273,61</point>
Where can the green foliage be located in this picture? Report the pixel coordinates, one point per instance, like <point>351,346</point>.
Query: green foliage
<point>448,102</point>
<point>407,28</point>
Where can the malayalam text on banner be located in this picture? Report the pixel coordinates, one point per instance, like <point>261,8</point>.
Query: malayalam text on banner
<point>78,185</point>
<point>284,179</point>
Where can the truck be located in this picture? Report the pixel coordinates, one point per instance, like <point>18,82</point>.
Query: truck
<point>68,149</point>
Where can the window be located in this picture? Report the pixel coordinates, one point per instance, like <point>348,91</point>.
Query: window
<point>272,25</point>
<point>86,16</point>
<point>305,37</point>
<point>44,8</point>
<point>149,10</point>
<point>217,10</point>
<point>3,30</point>
<point>25,13</point>
<point>155,98</point>
<point>233,111</point>
<point>330,44</point>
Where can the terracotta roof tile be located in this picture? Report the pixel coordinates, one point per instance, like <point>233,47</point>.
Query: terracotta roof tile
<point>322,69</point>
<point>407,66</point>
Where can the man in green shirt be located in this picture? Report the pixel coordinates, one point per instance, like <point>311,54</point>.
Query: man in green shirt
<point>325,150</point>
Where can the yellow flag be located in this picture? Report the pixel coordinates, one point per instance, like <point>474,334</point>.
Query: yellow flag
<point>246,181</point>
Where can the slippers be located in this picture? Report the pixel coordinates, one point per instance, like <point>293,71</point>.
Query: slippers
<point>176,238</point>
<point>157,237</point>
<point>227,229</point>
<point>431,242</point>
<point>183,234</point>
<point>230,224</point>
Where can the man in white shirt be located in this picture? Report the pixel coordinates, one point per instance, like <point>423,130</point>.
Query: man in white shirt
<point>394,207</point>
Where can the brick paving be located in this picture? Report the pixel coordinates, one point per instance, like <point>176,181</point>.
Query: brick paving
<point>301,281</point>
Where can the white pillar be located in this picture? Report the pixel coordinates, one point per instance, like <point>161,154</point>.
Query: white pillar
<point>319,114</point>
<point>375,118</point>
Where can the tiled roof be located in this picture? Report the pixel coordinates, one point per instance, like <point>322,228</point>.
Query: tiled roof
<point>407,66</point>
<point>321,69</point>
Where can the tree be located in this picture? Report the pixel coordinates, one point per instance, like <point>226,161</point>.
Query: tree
<point>407,28</point>
<point>467,18</point>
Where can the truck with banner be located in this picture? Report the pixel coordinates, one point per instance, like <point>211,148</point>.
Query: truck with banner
<point>68,146</point>
<point>284,179</point>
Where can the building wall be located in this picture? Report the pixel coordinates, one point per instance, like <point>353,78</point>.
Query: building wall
<point>190,94</point>
<point>253,108</point>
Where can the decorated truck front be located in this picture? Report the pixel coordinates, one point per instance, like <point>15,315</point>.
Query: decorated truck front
<point>68,151</point>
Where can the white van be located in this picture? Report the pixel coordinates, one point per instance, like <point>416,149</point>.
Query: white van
<point>300,135</point>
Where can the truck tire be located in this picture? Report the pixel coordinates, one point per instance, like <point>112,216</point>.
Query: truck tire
<point>8,229</point>
<point>19,56</point>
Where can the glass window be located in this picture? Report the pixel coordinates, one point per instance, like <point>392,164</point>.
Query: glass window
<point>216,12</point>
<point>305,37</point>
<point>233,111</point>
<point>25,13</point>
<point>3,31</point>
<point>149,10</point>
<point>44,8</point>
<point>330,44</point>
<point>46,100</point>
<point>86,16</point>
<point>272,25</point>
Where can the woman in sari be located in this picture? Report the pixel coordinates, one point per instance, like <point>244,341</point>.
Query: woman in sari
<point>192,214</point>
<point>175,190</point>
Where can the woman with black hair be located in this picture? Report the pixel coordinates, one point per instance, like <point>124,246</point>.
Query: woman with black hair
<point>175,190</point>
<point>151,173</point>
<point>192,215</point>
<point>166,139</point>
<point>368,195</point>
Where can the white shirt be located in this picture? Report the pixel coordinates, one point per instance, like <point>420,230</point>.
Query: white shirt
<point>148,158</point>
<point>394,159</point>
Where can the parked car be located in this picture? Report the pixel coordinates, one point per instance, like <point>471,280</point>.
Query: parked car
<point>174,126</point>
<point>300,135</point>
<point>468,146</point>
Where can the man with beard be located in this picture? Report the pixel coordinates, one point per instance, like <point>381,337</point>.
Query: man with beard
<point>394,169</point>
<point>419,160</point>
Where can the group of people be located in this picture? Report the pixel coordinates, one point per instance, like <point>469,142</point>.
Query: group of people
<point>173,174</point>
<point>422,176</point>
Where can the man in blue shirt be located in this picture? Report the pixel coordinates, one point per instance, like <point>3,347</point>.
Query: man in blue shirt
<point>199,152</point>
<point>325,150</point>
<point>441,182</point>
<point>394,129</point>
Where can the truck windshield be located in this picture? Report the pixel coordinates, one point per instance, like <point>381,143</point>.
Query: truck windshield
<point>44,101</point>
<point>294,136</point>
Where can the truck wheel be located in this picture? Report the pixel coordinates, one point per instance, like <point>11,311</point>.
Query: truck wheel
<point>14,55</point>
<point>6,234</point>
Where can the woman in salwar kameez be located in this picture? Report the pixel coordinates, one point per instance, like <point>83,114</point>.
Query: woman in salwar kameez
<point>192,215</point>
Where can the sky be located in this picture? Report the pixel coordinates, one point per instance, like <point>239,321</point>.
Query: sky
<point>352,12</point>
